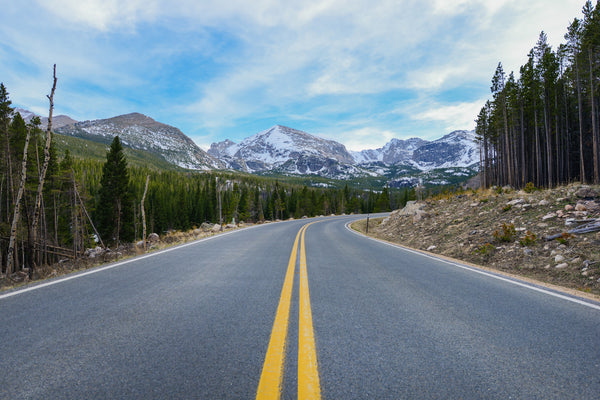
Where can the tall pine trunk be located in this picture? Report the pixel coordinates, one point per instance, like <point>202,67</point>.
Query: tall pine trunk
<point>596,167</point>
<point>582,177</point>
<point>144,212</point>
<point>523,166</point>
<point>548,144</point>
<point>538,151</point>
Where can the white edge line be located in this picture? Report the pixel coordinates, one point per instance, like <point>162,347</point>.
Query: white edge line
<point>482,272</point>
<point>118,264</point>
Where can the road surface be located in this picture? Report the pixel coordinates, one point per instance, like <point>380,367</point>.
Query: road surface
<point>267,311</point>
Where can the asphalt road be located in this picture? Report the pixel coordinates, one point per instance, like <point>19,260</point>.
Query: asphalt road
<point>195,322</point>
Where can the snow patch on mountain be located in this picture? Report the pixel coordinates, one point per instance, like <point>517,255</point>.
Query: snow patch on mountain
<point>456,149</point>
<point>143,133</point>
<point>286,150</point>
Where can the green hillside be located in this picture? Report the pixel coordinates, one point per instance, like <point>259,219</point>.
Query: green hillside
<point>91,150</point>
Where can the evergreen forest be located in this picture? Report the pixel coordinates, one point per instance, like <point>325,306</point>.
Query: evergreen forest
<point>542,128</point>
<point>84,203</point>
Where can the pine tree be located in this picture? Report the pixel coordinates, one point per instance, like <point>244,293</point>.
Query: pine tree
<point>115,204</point>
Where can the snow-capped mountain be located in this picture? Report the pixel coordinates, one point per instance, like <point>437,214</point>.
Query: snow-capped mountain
<point>141,132</point>
<point>283,150</point>
<point>57,120</point>
<point>289,151</point>
<point>394,152</point>
<point>456,149</point>
<point>292,152</point>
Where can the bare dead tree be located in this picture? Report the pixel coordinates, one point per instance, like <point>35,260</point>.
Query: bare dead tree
<point>17,210</point>
<point>42,174</point>
<point>78,196</point>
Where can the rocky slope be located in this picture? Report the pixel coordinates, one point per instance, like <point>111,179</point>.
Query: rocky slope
<point>456,149</point>
<point>286,150</point>
<point>143,133</point>
<point>402,162</point>
<point>506,230</point>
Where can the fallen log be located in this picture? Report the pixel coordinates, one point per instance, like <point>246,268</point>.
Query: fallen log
<point>588,227</point>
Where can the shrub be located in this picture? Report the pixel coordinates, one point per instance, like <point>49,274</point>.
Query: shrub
<point>564,238</point>
<point>507,234</point>
<point>529,187</point>
<point>485,249</point>
<point>529,239</point>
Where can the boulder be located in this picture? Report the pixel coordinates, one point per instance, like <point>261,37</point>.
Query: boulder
<point>411,208</point>
<point>586,192</point>
<point>206,226</point>
<point>580,207</point>
<point>548,216</point>
<point>153,237</point>
<point>515,202</point>
<point>216,228</point>
<point>95,252</point>
<point>419,215</point>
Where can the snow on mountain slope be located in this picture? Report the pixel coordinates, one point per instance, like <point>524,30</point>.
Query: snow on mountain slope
<point>57,120</point>
<point>394,152</point>
<point>287,150</point>
<point>279,143</point>
<point>141,132</point>
<point>456,149</point>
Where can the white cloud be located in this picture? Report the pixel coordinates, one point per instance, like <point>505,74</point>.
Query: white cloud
<point>453,116</point>
<point>102,14</point>
<point>321,60</point>
<point>363,138</point>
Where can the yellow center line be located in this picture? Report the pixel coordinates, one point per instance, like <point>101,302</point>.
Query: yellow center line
<point>270,384</point>
<point>308,372</point>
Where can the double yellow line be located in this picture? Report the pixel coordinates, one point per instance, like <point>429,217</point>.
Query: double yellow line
<point>270,384</point>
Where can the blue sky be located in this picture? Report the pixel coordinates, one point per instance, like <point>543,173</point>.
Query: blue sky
<point>360,72</point>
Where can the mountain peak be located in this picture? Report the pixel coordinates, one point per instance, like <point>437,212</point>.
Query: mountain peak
<point>144,133</point>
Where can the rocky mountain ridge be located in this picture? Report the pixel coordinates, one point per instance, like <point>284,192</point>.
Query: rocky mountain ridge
<point>144,133</point>
<point>58,121</point>
<point>288,151</point>
<point>285,150</point>
<point>456,149</point>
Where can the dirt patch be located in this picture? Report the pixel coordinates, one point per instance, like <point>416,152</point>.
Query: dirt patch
<point>506,230</point>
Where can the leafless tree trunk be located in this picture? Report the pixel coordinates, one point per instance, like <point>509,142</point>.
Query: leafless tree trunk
<point>42,175</point>
<point>86,213</point>
<point>17,211</point>
<point>144,212</point>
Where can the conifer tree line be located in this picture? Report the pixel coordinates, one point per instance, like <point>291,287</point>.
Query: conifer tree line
<point>542,128</point>
<point>85,201</point>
